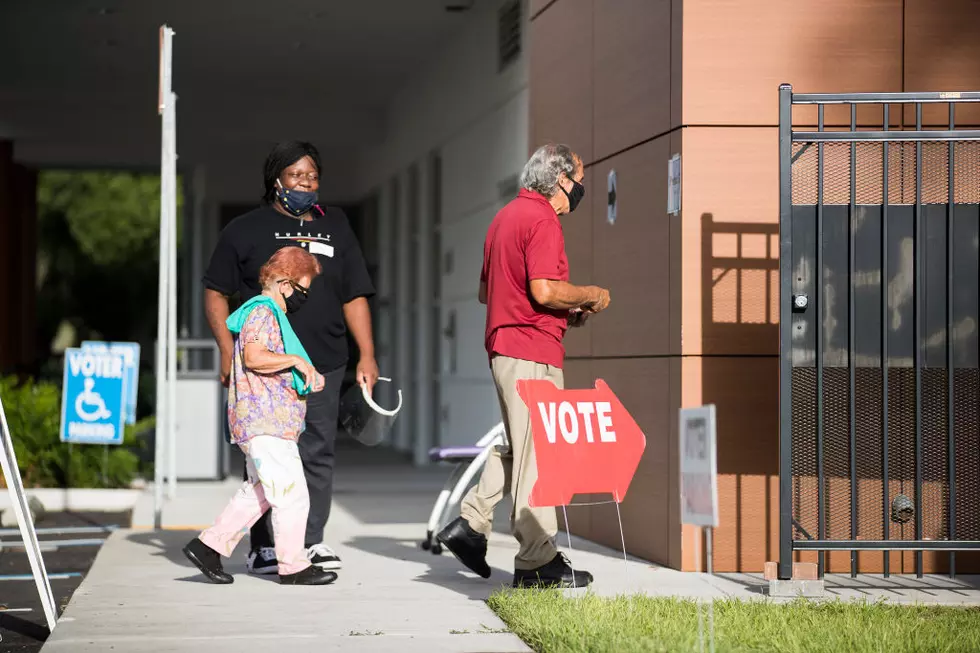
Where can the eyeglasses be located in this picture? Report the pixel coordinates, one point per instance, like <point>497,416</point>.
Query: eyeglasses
<point>296,176</point>
<point>298,288</point>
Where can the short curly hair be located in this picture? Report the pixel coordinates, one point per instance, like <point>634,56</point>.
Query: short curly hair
<point>291,263</point>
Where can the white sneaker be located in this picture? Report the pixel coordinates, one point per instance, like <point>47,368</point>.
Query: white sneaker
<point>262,562</point>
<point>323,557</point>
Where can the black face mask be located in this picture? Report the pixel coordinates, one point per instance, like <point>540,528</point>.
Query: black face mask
<point>295,301</point>
<point>578,192</point>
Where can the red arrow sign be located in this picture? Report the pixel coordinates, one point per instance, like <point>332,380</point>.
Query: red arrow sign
<point>585,442</point>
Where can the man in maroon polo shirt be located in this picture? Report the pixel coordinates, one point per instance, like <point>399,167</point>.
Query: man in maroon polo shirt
<point>530,304</point>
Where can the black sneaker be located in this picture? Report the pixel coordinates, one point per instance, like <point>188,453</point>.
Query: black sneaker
<point>323,557</point>
<point>262,561</point>
<point>208,561</point>
<point>312,575</point>
<point>467,545</point>
<point>557,573</point>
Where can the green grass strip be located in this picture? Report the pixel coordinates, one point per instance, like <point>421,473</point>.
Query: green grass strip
<point>551,623</point>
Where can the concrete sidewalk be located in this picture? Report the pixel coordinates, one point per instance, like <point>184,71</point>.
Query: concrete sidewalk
<point>142,595</point>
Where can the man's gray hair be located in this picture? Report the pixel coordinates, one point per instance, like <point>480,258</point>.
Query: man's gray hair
<point>542,170</point>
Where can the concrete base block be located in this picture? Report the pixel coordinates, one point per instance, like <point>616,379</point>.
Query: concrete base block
<point>791,589</point>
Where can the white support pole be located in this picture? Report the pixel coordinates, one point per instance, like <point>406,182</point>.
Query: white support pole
<point>162,429</point>
<point>170,126</point>
<point>423,315</point>
<point>15,487</point>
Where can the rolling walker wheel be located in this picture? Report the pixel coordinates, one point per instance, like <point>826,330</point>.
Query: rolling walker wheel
<point>436,549</point>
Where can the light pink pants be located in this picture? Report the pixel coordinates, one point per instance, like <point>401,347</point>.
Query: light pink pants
<point>275,480</point>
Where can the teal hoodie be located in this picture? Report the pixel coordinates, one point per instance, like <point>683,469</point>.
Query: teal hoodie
<point>290,341</point>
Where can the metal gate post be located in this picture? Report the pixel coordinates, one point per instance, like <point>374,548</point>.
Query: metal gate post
<point>785,568</point>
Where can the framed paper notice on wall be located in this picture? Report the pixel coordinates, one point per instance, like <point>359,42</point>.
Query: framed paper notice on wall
<point>699,466</point>
<point>674,185</point>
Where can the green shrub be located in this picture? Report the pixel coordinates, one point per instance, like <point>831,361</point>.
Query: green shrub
<point>34,414</point>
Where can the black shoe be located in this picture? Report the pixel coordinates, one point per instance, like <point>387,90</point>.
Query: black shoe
<point>208,561</point>
<point>557,573</point>
<point>312,575</point>
<point>467,545</point>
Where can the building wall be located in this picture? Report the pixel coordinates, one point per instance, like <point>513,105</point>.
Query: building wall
<point>456,137</point>
<point>695,304</point>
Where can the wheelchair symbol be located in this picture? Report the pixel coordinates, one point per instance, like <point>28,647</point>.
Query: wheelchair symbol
<point>92,399</point>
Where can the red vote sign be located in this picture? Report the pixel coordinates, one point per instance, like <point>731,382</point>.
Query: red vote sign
<point>584,440</point>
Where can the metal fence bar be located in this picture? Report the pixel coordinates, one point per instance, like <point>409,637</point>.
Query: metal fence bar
<point>785,567</point>
<point>884,348</point>
<point>951,438</point>
<point>918,135</point>
<point>851,380</point>
<point>818,296</point>
<point>917,340</point>
<point>887,545</point>
<point>883,98</point>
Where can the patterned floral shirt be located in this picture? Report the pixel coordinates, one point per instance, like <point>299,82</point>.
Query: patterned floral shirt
<point>262,404</point>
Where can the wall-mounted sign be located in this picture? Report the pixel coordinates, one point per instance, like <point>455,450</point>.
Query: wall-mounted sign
<point>674,185</point>
<point>611,197</point>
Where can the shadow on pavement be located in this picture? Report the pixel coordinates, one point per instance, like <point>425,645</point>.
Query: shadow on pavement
<point>23,627</point>
<point>444,570</point>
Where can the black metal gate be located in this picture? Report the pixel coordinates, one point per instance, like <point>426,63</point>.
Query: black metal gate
<point>879,379</point>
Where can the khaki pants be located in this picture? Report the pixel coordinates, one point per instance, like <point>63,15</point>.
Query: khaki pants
<point>515,471</point>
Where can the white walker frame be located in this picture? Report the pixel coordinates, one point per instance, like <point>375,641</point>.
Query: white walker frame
<point>469,461</point>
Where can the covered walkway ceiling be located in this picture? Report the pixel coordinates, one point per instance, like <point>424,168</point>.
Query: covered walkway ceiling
<point>78,78</point>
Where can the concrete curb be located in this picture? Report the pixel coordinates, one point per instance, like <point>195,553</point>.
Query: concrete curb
<point>74,499</point>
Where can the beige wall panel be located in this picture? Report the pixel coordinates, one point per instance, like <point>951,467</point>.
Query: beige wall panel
<point>737,52</point>
<point>729,228</point>
<point>632,256</point>
<point>578,246</point>
<point>631,50</point>
<point>561,77</point>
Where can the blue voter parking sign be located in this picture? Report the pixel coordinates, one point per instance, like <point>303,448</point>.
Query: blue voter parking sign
<point>93,397</point>
<point>130,351</point>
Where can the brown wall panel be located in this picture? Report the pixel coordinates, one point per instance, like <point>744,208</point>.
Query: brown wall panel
<point>578,247</point>
<point>644,387</point>
<point>730,267</point>
<point>561,77</point>
<point>676,62</point>
<point>632,91</point>
<point>942,51</point>
<point>632,256</point>
<point>537,6</point>
<point>737,52</point>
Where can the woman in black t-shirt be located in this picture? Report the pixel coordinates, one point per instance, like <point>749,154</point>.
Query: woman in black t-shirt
<point>337,302</point>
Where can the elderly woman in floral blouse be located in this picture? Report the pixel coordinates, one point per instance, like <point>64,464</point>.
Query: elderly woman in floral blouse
<point>271,375</point>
